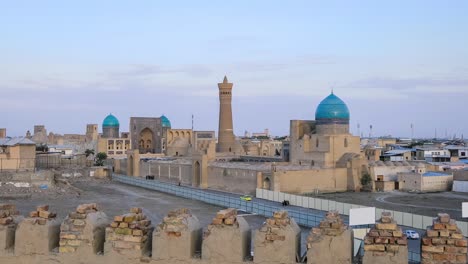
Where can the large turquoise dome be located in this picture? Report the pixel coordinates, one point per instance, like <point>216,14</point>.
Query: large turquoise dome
<point>332,110</point>
<point>165,121</point>
<point>110,121</point>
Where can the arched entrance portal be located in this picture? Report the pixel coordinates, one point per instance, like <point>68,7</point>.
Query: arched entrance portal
<point>266,184</point>
<point>197,174</point>
<point>146,141</point>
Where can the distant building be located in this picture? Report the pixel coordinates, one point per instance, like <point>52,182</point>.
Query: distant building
<point>111,143</point>
<point>149,134</point>
<point>425,181</point>
<point>17,154</point>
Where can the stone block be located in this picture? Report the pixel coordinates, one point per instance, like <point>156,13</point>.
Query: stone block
<point>386,226</point>
<point>216,250</point>
<point>32,238</point>
<point>278,251</point>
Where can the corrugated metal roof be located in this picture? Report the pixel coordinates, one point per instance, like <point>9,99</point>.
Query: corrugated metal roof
<point>16,141</point>
<point>434,173</point>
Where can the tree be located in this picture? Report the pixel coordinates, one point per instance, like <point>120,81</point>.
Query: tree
<point>100,158</point>
<point>366,179</point>
<point>89,152</point>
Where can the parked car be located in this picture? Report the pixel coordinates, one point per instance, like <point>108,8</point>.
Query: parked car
<point>247,198</point>
<point>411,234</point>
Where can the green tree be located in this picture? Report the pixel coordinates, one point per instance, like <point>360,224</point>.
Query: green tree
<point>366,179</point>
<point>89,152</point>
<point>100,158</point>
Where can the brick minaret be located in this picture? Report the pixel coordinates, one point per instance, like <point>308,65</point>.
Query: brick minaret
<point>225,133</point>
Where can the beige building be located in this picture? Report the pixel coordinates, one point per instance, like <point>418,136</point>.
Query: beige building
<point>179,142</point>
<point>17,154</point>
<point>426,181</point>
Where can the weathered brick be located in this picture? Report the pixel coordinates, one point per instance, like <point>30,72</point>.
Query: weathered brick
<point>374,247</point>
<point>438,226</point>
<point>114,224</point>
<point>461,243</point>
<point>136,210</point>
<point>392,248</point>
<point>456,235</point>
<point>402,241</point>
<point>217,221</point>
<point>74,243</point>
<point>46,214</point>
<point>373,233</point>
<point>6,221</point>
<point>41,221</point>
<point>67,249</point>
<point>123,231</point>
<point>461,258</point>
<point>433,249</point>
<point>432,233</point>
<point>230,220</point>
<point>119,218</point>
<point>123,225</point>
<point>386,226</point>
<point>280,214</point>
<point>79,222</point>
<point>439,257</point>
<point>443,217</point>
<point>77,215</point>
<point>368,240</point>
<point>381,240</point>
<point>386,233</point>
<point>44,207</point>
<point>427,241</point>
<point>64,235</point>
<point>398,233</point>
<point>444,233</point>
<point>129,218</point>
<point>34,214</point>
<point>137,232</point>
<point>439,241</point>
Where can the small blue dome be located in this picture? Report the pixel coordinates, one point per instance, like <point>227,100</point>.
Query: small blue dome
<point>332,108</point>
<point>110,121</point>
<point>165,121</point>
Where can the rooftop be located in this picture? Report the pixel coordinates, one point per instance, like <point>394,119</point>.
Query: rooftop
<point>16,141</point>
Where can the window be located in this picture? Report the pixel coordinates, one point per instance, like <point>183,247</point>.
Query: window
<point>316,143</point>
<point>346,142</point>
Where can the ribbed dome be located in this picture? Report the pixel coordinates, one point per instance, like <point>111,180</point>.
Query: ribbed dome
<point>165,121</point>
<point>110,121</point>
<point>332,108</point>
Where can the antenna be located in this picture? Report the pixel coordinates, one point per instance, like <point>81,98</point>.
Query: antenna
<point>370,131</point>
<point>192,122</point>
<point>412,131</point>
<point>358,129</point>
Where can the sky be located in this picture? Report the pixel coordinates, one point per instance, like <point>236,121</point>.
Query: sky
<point>65,64</point>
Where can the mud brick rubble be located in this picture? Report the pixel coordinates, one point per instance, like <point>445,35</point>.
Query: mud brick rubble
<point>443,242</point>
<point>224,218</point>
<point>386,237</point>
<point>274,225</point>
<point>331,225</point>
<point>7,212</point>
<point>129,231</point>
<point>175,222</point>
<point>41,215</point>
<point>71,230</point>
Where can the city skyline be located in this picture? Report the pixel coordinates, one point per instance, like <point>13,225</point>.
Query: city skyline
<point>395,64</point>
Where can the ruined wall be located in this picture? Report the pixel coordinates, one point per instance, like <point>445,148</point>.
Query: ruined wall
<point>232,179</point>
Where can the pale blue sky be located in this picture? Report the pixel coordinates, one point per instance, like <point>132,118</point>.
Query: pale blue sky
<point>67,64</point>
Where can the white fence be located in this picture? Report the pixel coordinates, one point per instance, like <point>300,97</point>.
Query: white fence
<point>402,218</point>
<point>460,186</point>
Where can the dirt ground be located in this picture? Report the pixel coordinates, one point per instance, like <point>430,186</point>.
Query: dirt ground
<point>428,204</point>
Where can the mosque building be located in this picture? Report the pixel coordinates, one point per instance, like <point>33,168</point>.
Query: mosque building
<point>111,141</point>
